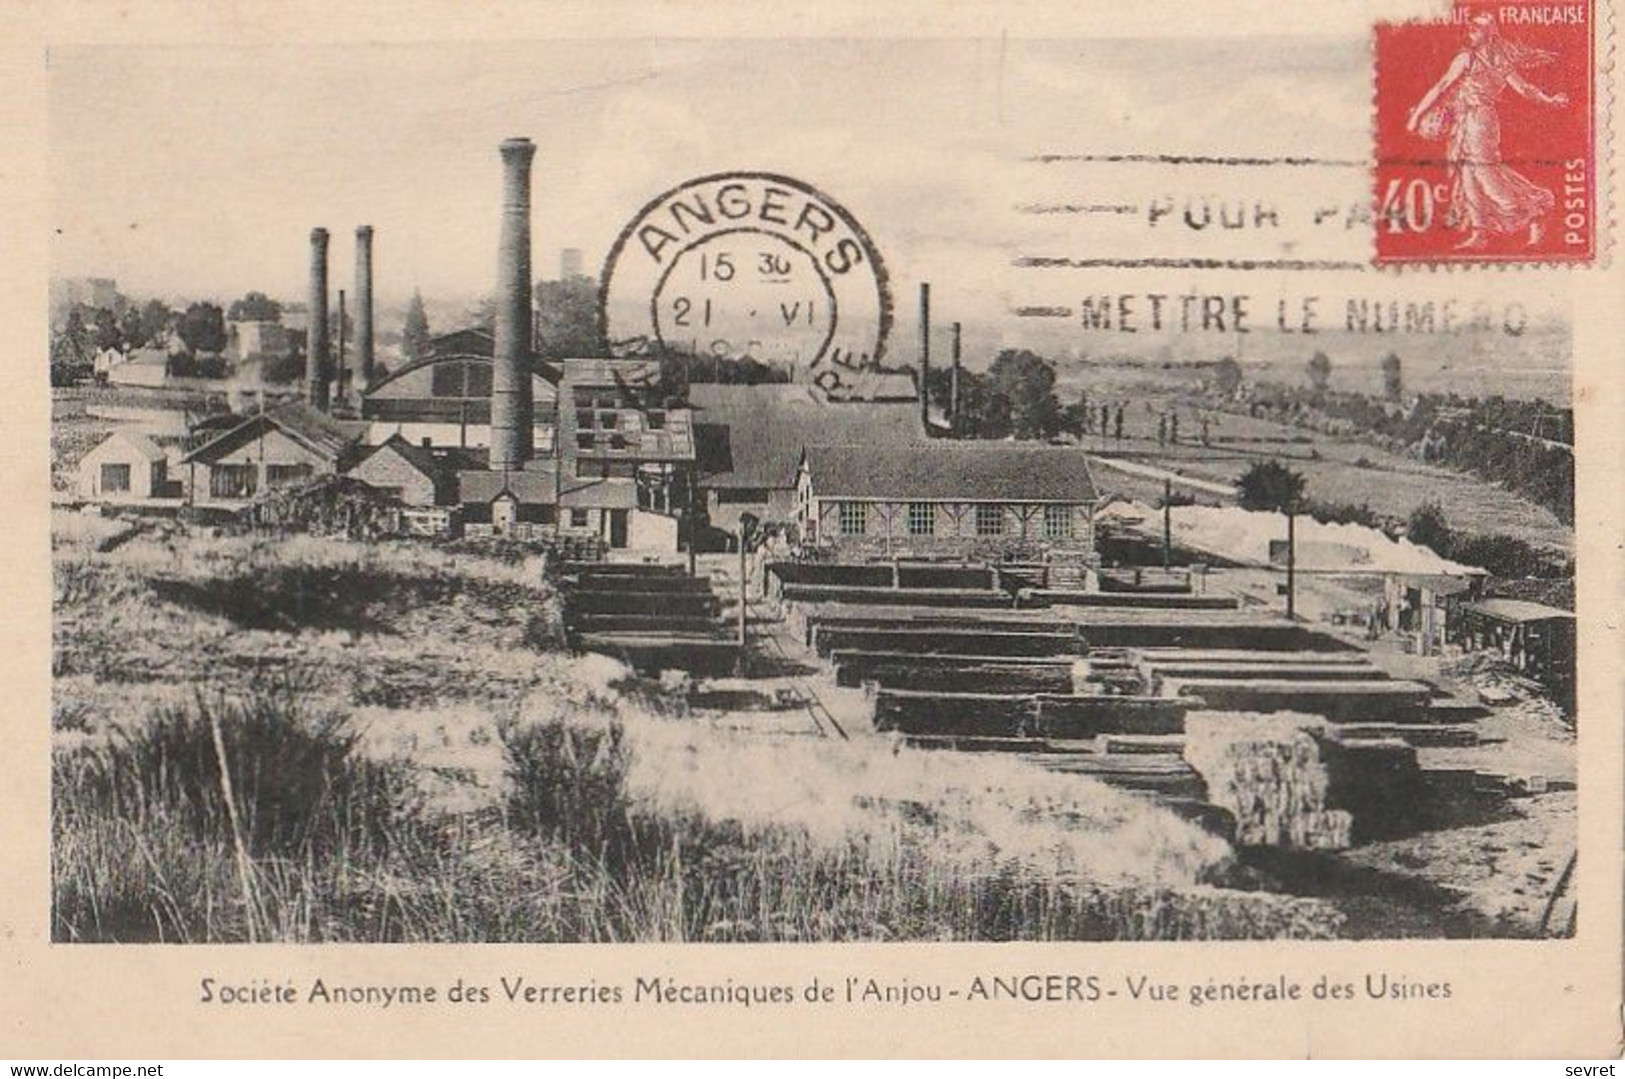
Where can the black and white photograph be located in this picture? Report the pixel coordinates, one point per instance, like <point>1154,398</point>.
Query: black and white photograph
<point>917,488</point>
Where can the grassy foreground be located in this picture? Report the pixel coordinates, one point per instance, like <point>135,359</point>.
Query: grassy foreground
<point>314,741</point>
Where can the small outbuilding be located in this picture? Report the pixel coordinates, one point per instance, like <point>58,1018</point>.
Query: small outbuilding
<point>126,466</point>
<point>1427,604</point>
<point>1536,640</point>
<point>409,474</point>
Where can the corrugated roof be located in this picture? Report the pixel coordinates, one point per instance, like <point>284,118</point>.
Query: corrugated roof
<point>753,436</point>
<point>143,446</point>
<point>309,426</point>
<point>943,471</point>
<point>612,494</point>
<point>608,371</point>
<point>1517,610</point>
<point>532,488</point>
<point>420,458</point>
<point>315,427</point>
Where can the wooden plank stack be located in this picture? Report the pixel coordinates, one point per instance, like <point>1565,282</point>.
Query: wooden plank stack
<point>1266,770</point>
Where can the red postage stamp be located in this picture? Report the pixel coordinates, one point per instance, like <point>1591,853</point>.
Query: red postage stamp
<point>1485,131</point>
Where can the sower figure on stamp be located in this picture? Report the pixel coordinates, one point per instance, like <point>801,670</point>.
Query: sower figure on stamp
<point>1486,194</point>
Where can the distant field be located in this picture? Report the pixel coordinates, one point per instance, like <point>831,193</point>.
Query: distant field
<point>1336,469</point>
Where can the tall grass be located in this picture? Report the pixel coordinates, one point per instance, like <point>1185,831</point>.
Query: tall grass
<point>700,835</point>
<point>155,839</point>
<point>589,844</point>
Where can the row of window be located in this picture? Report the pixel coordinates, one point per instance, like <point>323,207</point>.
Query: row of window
<point>242,481</point>
<point>610,419</point>
<point>920,519</point>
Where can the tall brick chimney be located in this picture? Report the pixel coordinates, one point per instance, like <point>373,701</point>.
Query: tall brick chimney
<point>361,375</point>
<point>316,366</point>
<point>511,405</point>
<point>925,356</point>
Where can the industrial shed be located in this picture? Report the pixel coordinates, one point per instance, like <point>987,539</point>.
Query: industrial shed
<point>1537,640</point>
<point>281,447</point>
<point>947,499</point>
<point>445,397</point>
<point>750,440</point>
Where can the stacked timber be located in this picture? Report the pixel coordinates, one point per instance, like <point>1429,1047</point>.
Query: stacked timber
<point>1110,627</point>
<point>1163,775</point>
<point>1176,601</point>
<point>1145,581</point>
<point>1031,715</point>
<point>908,575</point>
<point>955,673</point>
<point>945,640</point>
<point>805,619</point>
<point>908,597</point>
<point>652,617</point>
<point>1421,735</point>
<point>1267,772</point>
<point>1341,701</point>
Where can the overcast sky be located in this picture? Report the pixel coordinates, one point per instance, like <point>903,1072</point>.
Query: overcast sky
<point>198,172</point>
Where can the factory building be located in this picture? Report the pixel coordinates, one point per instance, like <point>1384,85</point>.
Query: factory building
<point>992,501</point>
<point>282,447</point>
<point>751,440</point>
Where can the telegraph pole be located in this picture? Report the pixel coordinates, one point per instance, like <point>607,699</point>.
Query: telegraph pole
<point>744,605</point>
<point>1167,523</point>
<point>1291,560</point>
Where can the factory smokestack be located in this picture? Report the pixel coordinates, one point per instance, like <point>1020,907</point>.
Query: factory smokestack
<point>511,405</point>
<point>925,355</point>
<point>361,376</point>
<point>953,386</point>
<point>316,368</point>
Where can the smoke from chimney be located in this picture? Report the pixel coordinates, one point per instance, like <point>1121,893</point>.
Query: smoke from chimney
<point>512,409</point>
<point>361,376</point>
<point>316,367</point>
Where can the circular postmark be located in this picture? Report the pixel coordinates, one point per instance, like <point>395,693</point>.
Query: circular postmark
<point>749,264</point>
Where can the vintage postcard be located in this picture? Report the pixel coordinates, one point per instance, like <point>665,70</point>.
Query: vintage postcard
<point>910,531</point>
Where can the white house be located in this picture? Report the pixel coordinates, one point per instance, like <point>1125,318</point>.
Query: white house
<point>126,466</point>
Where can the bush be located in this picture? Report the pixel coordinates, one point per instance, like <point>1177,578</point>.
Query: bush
<point>299,785</point>
<point>568,782</point>
<point>144,843</point>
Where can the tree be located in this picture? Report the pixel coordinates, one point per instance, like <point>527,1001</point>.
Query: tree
<point>1271,486</point>
<point>106,330</point>
<point>1027,381</point>
<point>72,349</point>
<point>567,318</point>
<point>1427,526</point>
<point>156,321</point>
<point>415,333</point>
<point>1227,376</point>
<point>285,367</point>
<point>202,328</point>
<point>1393,382</point>
<point>1320,374</point>
<point>1078,418</point>
<point>255,307</point>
